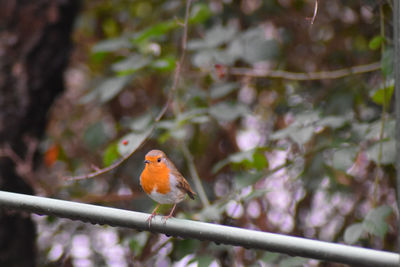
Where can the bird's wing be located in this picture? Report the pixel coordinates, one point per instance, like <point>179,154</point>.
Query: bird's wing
<point>182,183</point>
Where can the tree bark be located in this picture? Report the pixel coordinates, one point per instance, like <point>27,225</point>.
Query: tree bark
<point>35,44</point>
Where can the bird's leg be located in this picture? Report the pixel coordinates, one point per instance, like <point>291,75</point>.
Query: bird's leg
<point>170,214</point>
<point>154,213</point>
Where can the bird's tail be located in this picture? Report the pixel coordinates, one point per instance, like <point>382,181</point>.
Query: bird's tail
<point>191,194</point>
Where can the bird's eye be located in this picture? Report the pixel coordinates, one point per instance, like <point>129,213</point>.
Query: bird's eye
<point>159,160</point>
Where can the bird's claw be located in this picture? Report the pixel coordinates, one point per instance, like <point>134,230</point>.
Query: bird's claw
<point>150,218</point>
<point>165,218</point>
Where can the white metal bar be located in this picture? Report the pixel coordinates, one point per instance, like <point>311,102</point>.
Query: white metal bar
<point>293,246</point>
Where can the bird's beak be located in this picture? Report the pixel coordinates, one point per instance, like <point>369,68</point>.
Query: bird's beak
<point>146,161</point>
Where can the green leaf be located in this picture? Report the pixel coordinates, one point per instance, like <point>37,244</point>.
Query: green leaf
<point>234,158</point>
<point>219,35</point>
<point>109,88</point>
<point>353,233</point>
<point>259,161</point>
<point>387,62</point>
<point>111,45</point>
<point>110,27</point>
<point>95,135</point>
<point>374,129</point>
<point>250,159</point>
<point>204,261</point>
<point>222,90</point>
<point>197,44</point>
<point>51,219</point>
<point>132,141</point>
<point>256,193</point>
<point>204,58</point>
<point>200,12</point>
<point>270,257</point>
<point>376,42</point>
<point>110,154</point>
<point>179,133</point>
<point>302,135</point>
<point>166,124</point>
<point>359,130</point>
<point>256,48</point>
<point>306,118</point>
<point>200,119</point>
<point>185,247</point>
<point>333,122</point>
<point>164,64</point>
<point>235,49</point>
<point>244,179</point>
<point>388,152</point>
<point>283,133</point>
<point>131,64</point>
<point>214,37</point>
<point>154,31</point>
<point>379,95</point>
<point>137,243</point>
<point>374,223</point>
<point>293,262</point>
<point>344,158</point>
<point>189,115</point>
<point>227,112</point>
<point>141,123</point>
<point>302,129</point>
<point>98,57</point>
<point>211,212</point>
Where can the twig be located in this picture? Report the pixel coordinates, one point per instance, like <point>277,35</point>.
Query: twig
<point>315,12</point>
<point>160,114</point>
<point>23,165</point>
<point>188,155</point>
<point>381,130</point>
<point>195,175</point>
<point>321,75</point>
<point>8,152</point>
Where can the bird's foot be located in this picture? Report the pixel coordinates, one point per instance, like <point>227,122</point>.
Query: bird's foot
<point>165,218</point>
<point>153,214</point>
<point>150,218</point>
<point>170,214</point>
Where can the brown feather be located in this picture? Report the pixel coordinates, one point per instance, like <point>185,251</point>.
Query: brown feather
<point>182,183</point>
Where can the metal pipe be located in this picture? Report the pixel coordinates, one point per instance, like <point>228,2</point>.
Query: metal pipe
<point>294,246</point>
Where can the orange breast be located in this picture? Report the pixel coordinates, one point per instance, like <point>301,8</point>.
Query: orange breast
<point>155,177</point>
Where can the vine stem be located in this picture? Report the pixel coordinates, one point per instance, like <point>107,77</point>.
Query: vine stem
<point>195,175</point>
<point>381,131</point>
<point>186,152</point>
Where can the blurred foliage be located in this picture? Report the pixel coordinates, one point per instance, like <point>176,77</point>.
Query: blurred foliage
<point>307,158</point>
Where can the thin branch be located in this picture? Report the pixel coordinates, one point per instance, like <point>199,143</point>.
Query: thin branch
<point>109,168</point>
<point>24,165</point>
<point>195,175</point>
<point>315,12</point>
<point>160,114</point>
<point>8,152</point>
<point>188,155</point>
<point>379,173</point>
<point>321,75</point>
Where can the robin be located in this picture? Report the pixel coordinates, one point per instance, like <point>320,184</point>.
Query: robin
<point>163,182</point>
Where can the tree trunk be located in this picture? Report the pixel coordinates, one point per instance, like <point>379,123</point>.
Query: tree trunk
<point>34,48</point>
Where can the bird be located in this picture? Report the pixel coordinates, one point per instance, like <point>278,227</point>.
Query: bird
<point>162,182</point>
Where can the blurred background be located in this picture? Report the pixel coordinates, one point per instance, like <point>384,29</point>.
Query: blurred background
<point>289,124</point>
